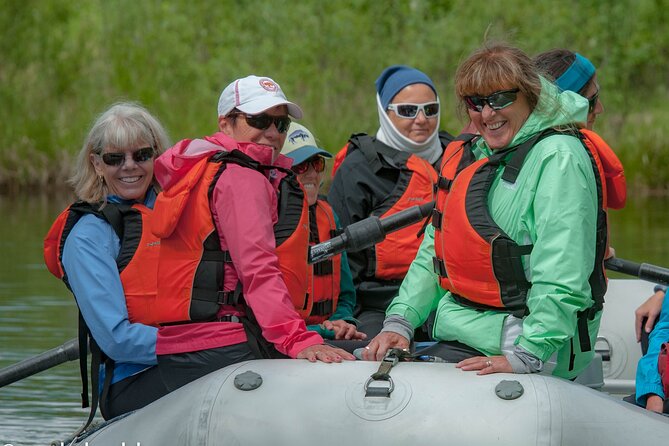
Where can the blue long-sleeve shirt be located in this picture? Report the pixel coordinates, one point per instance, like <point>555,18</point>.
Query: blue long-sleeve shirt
<point>648,380</point>
<point>89,259</point>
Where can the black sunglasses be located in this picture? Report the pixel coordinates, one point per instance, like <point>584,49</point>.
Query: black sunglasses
<point>318,163</point>
<point>117,158</point>
<point>497,101</point>
<point>264,121</point>
<point>592,101</point>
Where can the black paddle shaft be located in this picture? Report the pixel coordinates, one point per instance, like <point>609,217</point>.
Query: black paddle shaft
<point>368,232</point>
<point>51,358</point>
<point>645,271</point>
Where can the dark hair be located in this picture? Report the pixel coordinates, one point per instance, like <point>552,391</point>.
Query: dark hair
<point>555,62</point>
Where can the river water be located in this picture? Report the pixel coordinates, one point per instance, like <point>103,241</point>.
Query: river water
<point>37,313</point>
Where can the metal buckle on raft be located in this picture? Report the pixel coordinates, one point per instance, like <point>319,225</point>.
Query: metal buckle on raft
<point>392,357</point>
<point>379,391</point>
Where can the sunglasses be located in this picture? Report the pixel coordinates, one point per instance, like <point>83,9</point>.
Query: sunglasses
<point>264,121</point>
<point>592,101</point>
<point>117,158</point>
<point>317,163</point>
<point>497,101</point>
<point>410,111</point>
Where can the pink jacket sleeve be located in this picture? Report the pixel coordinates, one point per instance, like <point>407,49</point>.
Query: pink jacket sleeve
<point>244,207</point>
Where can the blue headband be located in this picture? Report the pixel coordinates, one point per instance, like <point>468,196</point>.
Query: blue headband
<point>577,75</point>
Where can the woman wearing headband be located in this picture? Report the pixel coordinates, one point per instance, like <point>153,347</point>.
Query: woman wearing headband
<point>386,173</point>
<point>573,72</point>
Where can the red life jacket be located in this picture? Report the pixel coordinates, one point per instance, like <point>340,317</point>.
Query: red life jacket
<point>415,186</point>
<point>324,287</point>
<point>191,264</point>
<point>475,259</point>
<point>137,260</point>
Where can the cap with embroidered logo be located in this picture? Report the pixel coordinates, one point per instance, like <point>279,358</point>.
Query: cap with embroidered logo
<point>253,95</point>
<point>300,144</point>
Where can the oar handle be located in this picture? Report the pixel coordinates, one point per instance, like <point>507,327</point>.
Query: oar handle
<point>69,351</point>
<point>645,271</point>
<point>367,232</point>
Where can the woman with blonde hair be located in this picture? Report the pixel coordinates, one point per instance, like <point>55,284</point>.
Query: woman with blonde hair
<point>103,249</point>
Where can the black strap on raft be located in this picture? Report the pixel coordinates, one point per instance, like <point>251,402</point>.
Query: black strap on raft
<point>383,374</point>
<point>393,356</point>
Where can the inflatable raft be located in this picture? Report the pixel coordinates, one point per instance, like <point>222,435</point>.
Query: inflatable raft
<point>287,402</point>
<point>296,402</point>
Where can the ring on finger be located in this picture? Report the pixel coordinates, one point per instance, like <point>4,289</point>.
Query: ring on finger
<point>488,363</point>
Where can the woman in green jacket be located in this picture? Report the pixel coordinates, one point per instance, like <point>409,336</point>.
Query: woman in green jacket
<point>545,318</point>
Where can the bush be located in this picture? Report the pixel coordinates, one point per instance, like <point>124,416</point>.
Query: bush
<point>64,62</point>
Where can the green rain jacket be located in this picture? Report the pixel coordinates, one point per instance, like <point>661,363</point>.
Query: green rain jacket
<point>552,205</point>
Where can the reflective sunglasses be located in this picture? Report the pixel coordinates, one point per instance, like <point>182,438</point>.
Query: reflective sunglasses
<point>410,111</point>
<point>318,163</point>
<point>497,101</point>
<point>264,121</point>
<point>117,158</point>
<point>592,101</point>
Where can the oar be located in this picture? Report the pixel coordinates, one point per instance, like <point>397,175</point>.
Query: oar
<point>69,351</point>
<point>644,271</point>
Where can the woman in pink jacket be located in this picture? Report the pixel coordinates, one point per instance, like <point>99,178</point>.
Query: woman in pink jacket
<point>218,269</point>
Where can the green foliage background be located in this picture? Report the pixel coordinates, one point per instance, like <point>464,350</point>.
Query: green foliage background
<point>65,61</point>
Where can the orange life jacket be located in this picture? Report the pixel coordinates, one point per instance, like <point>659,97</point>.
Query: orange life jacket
<point>475,259</point>
<point>415,186</point>
<point>137,260</point>
<point>137,264</point>
<point>191,264</point>
<point>325,285</point>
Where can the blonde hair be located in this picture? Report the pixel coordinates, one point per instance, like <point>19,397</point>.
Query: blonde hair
<point>123,125</point>
<point>496,66</point>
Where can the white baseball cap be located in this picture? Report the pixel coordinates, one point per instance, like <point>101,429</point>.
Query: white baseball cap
<point>253,95</point>
<point>300,144</point>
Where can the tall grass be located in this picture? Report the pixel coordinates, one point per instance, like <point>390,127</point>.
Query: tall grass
<point>64,62</point>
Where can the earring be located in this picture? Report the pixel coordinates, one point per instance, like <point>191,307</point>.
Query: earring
<point>101,179</point>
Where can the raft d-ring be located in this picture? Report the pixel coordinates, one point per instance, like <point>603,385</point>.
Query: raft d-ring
<point>379,391</point>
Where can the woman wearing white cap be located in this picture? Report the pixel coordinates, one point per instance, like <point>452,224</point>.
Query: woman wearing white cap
<point>387,173</point>
<point>331,287</point>
<point>219,220</point>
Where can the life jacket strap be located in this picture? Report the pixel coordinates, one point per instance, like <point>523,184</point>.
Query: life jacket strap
<point>216,256</point>
<point>439,267</point>
<point>582,318</point>
<point>436,218</point>
<point>323,268</point>
<point>444,184</point>
<point>322,308</point>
